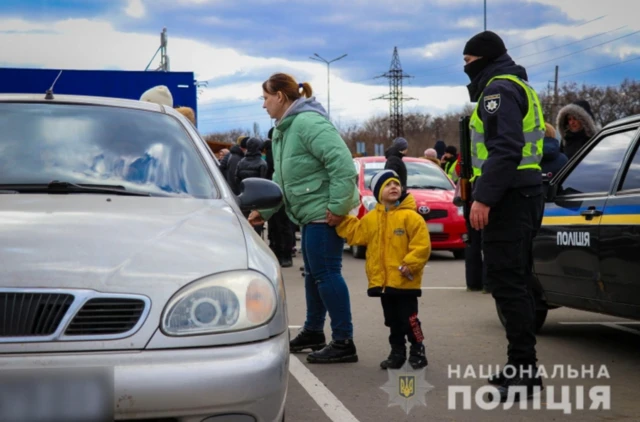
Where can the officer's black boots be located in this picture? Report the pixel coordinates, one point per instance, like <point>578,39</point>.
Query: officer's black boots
<point>313,340</point>
<point>337,351</point>
<point>417,356</point>
<point>396,359</point>
<point>514,379</point>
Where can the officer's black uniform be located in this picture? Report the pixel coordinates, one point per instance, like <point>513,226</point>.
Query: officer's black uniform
<point>515,198</point>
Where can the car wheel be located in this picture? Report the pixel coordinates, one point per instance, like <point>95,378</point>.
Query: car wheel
<point>540,318</point>
<point>358,251</point>
<point>458,254</point>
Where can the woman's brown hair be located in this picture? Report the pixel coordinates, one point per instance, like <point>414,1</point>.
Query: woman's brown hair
<point>286,84</point>
<point>550,131</point>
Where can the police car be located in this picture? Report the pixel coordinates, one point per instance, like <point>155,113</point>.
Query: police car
<point>587,252</point>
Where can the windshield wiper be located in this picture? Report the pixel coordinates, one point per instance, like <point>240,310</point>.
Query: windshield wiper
<point>66,187</point>
<point>426,187</point>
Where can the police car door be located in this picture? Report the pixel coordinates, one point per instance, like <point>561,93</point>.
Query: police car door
<point>620,238</point>
<point>566,252</point>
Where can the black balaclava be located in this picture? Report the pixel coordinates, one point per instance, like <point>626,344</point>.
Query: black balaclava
<point>487,45</point>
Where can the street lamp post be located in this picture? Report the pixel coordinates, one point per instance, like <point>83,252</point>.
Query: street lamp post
<point>318,58</point>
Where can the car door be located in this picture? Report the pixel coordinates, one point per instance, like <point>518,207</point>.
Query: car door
<point>566,250</point>
<point>620,239</point>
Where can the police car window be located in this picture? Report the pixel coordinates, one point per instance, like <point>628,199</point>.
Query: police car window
<point>597,169</point>
<point>632,178</point>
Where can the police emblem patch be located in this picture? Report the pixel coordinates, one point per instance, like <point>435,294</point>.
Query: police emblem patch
<point>492,103</point>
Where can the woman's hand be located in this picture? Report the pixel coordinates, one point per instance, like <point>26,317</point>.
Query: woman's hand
<point>334,220</point>
<point>255,219</point>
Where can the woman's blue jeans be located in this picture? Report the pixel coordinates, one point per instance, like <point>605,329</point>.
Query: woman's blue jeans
<point>325,288</point>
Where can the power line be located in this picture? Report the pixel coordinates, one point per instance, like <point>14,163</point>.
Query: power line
<point>584,49</point>
<point>603,67</point>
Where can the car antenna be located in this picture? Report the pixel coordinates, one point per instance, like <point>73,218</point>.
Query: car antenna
<point>49,93</point>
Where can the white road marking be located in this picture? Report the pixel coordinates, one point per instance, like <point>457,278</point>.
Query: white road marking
<point>294,327</point>
<point>330,405</point>
<point>443,288</point>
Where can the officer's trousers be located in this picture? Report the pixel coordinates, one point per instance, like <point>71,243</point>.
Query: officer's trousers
<point>475,271</point>
<point>507,245</point>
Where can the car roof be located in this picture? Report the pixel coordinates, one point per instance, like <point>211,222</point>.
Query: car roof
<point>624,121</point>
<point>82,100</point>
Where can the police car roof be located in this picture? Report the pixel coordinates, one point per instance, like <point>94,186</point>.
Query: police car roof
<point>624,121</point>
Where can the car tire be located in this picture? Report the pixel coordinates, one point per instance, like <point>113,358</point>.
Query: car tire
<point>358,251</point>
<point>458,253</point>
<point>540,318</point>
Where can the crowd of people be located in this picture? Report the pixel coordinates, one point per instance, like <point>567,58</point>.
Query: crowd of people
<point>512,148</point>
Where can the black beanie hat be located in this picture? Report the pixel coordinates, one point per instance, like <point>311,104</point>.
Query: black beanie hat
<point>485,44</point>
<point>451,149</point>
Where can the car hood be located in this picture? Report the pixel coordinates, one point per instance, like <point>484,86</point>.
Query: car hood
<point>117,244</point>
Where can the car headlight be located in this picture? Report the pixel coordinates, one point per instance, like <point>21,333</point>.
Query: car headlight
<point>231,301</point>
<point>369,202</point>
<point>461,211</point>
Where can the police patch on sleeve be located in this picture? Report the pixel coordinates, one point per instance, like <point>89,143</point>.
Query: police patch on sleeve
<point>492,103</point>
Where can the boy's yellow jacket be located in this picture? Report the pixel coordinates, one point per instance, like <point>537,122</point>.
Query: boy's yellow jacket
<point>393,237</point>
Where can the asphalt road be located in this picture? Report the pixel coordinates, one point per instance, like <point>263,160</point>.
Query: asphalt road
<point>461,328</point>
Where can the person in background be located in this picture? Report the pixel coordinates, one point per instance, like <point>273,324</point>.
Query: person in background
<point>431,155</point>
<point>315,171</point>
<point>251,165</point>
<point>222,153</point>
<point>159,94</point>
<point>576,125</point>
<point>230,162</point>
<point>440,146</point>
<point>188,113</point>
<point>396,152</point>
<point>449,159</point>
<point>281,234</point>
<point>552,159</point>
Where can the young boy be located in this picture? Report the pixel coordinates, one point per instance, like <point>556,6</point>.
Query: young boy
<point>398,248</point>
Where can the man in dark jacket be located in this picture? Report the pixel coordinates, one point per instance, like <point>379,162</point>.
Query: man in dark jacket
<point>281,234</point>
<point>394,155</point>
<point>230,162</point>
<point>252,165</point>
<point>507,193</point>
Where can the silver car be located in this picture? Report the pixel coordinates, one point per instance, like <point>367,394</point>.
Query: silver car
<point>131,285</point>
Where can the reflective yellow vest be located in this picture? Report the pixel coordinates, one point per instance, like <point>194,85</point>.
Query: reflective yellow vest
<point>451,170</point>
<point>533,130</point>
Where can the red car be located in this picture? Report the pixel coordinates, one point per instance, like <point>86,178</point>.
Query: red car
<point>433,192</point>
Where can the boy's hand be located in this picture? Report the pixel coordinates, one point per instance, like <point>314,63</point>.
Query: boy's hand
<point>406,272</point>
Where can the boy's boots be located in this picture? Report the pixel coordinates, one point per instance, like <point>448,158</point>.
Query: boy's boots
<point>396,358</point>
<point>417,356</point>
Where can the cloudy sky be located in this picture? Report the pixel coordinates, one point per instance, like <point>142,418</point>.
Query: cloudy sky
<point>235,45</point>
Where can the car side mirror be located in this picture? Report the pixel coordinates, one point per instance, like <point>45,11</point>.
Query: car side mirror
<point>257,193</point>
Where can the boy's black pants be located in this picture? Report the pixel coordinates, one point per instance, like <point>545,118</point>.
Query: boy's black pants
<point>401,316</point>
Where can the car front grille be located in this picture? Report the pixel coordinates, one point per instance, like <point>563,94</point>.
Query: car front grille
<point>434,214</point>
<point>106,316</point>
<point>48,315</point>
<point>439,237</point>
<point>32,314</point>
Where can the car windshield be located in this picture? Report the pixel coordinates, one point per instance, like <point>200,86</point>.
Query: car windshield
<point>137,150</point>
<point>419,175</point>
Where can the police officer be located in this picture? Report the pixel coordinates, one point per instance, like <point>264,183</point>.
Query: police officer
<point>507,132</point>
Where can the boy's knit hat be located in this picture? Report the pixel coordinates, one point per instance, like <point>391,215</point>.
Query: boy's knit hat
<point>380,180</point>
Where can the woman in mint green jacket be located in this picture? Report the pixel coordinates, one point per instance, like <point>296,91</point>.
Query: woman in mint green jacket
<point>315,171</point>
